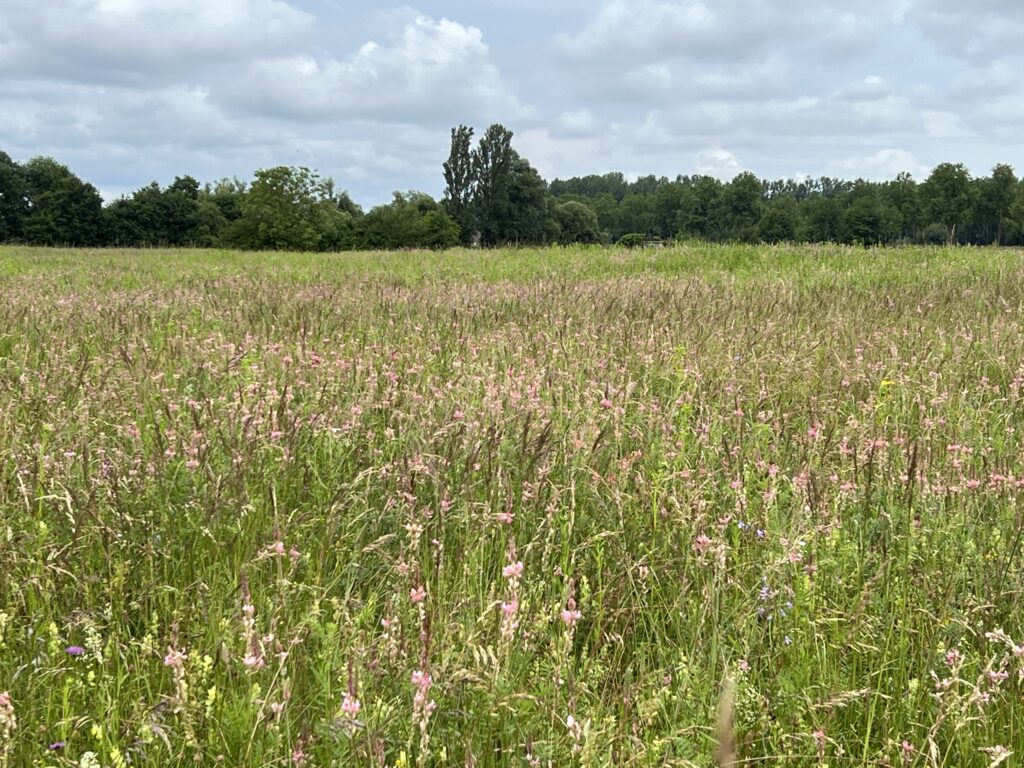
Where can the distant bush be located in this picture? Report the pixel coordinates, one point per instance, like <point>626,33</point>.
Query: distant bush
<point>935,234</point>
<point>632,240</point>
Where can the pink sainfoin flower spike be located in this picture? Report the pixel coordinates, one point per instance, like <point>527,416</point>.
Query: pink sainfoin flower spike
<point>906,752</point>
<point>513,571</point>
<point>418,594</point>
<point>8,720</point>
<point>570,615</point>
<point>254,658</point>
<point>701,544</point>
<point>174,658</point>
<point>510,606</point>
<point>820,741</point>
<point>350,706</point>
<point>422,704</point>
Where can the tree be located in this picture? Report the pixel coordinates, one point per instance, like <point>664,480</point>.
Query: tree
<point>823,219</point>
<point>410,220</point>
<point>863,214</point>
<point>1016,215</point>
<point>636,214</point>
<point>740,208</point>
<point>179,208</point>
<point>286,208</point>
<point>949,197</point>
<point>496,191</point>
<point>672,201</point>
<point>996,200</point>
<point>459,178</point>
<point>700,219</point>
<point>13,198</point>
<point>62,209</point>
<point>780,221</point>
<point>227,195</point>
<point>527,220</point>
<point>607,209</point>
<point>904,197</point>
<point>578,223</point>
<point>492,170</point>
<point>159,217</point>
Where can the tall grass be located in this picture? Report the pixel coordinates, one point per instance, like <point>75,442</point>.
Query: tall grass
<point>560,507</point>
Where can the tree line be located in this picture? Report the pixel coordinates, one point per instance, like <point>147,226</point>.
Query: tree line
<point>493,196</point>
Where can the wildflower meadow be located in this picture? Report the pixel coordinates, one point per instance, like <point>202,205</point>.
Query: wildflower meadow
<point>693,506</point>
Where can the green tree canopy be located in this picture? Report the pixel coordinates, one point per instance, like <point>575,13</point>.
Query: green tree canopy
<point>577,223</point>
<point>62,209</point>
<point>287,208</point>
<point>13,198</point>
<point>949,196</point>
<point>411,220</point>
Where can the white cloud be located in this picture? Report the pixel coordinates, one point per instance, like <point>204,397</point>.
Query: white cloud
<point>562,156</point>
<point>942,124</point>
<point>431,71</point>
<point>717,162</point>
<point>627,32</point>
<point>133,40</point>
<point>882,165</point>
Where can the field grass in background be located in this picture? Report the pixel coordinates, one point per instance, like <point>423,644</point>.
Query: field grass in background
<point>514,508</point>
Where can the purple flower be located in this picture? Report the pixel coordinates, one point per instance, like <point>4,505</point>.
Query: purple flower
<point>74,650</point>
<point>57,745</point>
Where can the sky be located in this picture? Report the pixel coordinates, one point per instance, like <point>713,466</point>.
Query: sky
<point>126,92</point>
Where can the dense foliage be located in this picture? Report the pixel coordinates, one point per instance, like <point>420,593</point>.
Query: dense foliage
<point>526,508</point>
<point>493,197</point>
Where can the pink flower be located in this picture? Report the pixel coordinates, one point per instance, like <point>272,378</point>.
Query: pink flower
<point>512,570</point>
<point>174,658</point>
<point>996,676</point>
<point>820,739</point>
<point>906,752</point>
<point>510,608</point>
<point>701,544</point>
<point>417,594</point>
<point>571,617</point>
<point>350,705</point>
<point>254,661</point>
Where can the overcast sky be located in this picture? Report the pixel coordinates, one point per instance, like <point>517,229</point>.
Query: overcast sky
<point>130,91</point>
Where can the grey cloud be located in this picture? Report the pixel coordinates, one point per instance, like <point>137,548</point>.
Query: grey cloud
<point>141,41</point>
<point>981,30</point>
<point>626,31</point>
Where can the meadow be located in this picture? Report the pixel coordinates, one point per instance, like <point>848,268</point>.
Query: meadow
<point>702,505</point>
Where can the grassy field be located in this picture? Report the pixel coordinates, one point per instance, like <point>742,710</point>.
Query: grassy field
<point>574,507</point>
